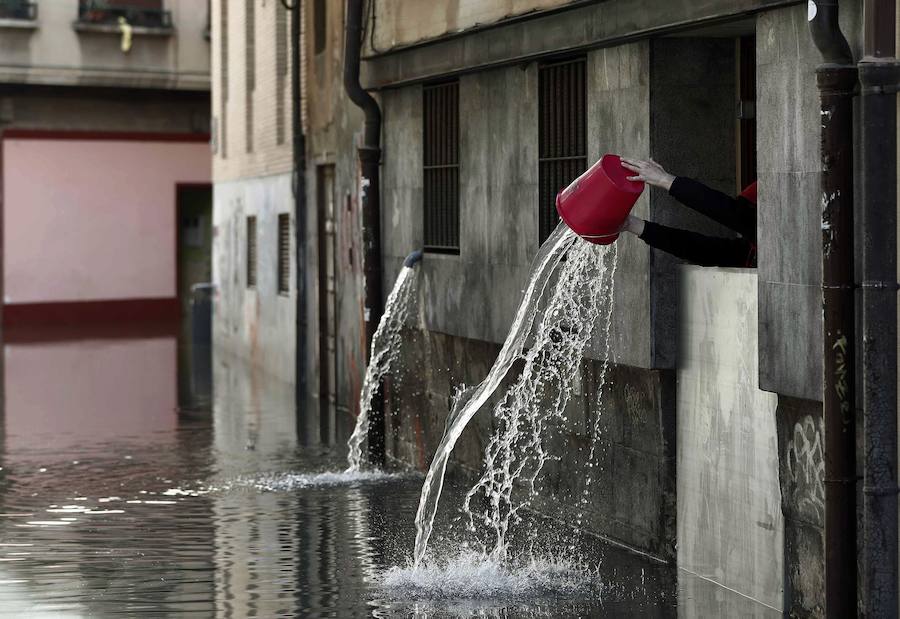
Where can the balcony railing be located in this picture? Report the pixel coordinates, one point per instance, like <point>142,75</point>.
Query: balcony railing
<point>103,13</point>
<point>18,9</point>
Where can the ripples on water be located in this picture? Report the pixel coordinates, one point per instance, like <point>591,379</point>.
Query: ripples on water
<point>114,504</point>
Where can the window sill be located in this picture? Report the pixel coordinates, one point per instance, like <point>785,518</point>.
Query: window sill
<point>18,24</point>
<point>116,29</point>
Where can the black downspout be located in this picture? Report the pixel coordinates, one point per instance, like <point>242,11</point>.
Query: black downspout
<point>369,158</point>
<point>298,186</point>
<point>879,74</point>
<point>837,79</point>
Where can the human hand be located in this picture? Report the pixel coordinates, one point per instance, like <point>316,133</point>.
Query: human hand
<point>634,225</point>
<point>648,171</point>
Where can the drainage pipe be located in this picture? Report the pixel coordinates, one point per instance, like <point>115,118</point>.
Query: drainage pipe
<point>836,79</point>
<point>879,74</point>
<point>413,258</point>
<point>298,188</point>
<point>369,189</point>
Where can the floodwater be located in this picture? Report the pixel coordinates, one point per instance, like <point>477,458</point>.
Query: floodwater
<point>117,500</point>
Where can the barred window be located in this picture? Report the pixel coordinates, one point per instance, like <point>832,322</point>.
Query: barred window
<point>251,252</point>
<point>284,253</point>
<point>562,151</point>
<point>250,69</point>
<point>441,167</point>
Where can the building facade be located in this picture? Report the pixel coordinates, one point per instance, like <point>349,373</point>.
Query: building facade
<point>713,413</point>
<point>104,113</point>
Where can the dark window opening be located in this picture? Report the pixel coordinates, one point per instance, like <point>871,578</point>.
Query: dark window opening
<point>250,69</point>
<point>320,25</point>
<point>141,13</point>
<point>18,9</point>
<point>223,63</point>
<point>562,134</point>
<point>251,252</point>
<point>746,133</point>
<point>441,167</point>
<point>284,253</point>
<point>281,69</point>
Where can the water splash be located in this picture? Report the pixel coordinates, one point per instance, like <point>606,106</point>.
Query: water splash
<point>469,402</point>
<point>468,575</point>
<point>535,404</point>
<point>385,351</point>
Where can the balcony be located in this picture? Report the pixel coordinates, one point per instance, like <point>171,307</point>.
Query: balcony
<point>98,16</point>
<point>18,14</point>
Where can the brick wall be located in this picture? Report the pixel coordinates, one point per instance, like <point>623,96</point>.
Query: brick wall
<point>251,110</point>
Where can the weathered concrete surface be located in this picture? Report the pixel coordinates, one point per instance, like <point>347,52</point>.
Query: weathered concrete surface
<point>801,450</point>
<point>789,226</point>
<point>730,524</point>
<point>604,24</point>
<point>636,418</point>
<point>473,295</point>
<point>251,323</point>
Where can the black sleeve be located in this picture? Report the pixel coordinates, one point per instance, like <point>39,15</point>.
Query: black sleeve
<point>707,251</point>
<point>716,205</point>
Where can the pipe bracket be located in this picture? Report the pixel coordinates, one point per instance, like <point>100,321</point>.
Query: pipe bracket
<point>880,285</point>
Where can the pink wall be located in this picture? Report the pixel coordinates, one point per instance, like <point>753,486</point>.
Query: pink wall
<point>93,219</point>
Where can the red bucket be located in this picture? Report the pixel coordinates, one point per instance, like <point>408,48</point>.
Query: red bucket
<point>597,203</point>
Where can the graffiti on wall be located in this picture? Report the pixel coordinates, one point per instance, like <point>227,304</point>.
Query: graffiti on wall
<point>805,460</point>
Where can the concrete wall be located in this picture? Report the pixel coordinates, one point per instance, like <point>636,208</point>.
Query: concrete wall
<point>790,240</point>
<point>252,131</point>
<point>256,324</point>
<point>730,524</point>
<point>404,22</point>
<point>93,219</point>
<point>53,50</point>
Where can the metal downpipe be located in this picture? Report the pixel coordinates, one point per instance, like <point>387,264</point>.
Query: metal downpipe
<point>298,188</point>
<point>837,79</point>
<point>369,191</point>
<point>879,74</point>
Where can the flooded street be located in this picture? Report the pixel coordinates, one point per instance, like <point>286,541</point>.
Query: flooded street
<point>116,502</point>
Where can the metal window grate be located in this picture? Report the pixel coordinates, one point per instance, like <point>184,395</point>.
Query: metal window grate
<point>562,148</point>
<point>284,253</point>
<point>320,25</point>
<point>251,252</point>
<point>281,69</point>
<point>223,64</point>
<point>441,167</point>
<point>250,70</point>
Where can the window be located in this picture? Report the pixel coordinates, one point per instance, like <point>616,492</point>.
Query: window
<point>18,9</point>
<point>562,122</point>
<point>746,142</point>
<point>250,69</point>
<point>284,253</point>
<point>251,252</point>
<point>223,64</point>
<point>441,167</point>
<point>141,13</point>
<point>320,25</point>
<point>281,69</point>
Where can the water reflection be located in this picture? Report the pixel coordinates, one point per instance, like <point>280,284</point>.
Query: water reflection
<point>115,500</point>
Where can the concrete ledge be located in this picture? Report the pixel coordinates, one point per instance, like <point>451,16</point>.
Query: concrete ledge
<point>18,24</point>
<point>579,29</point>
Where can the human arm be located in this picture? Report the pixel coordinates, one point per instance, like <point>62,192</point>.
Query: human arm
<point>716,205</point>
<point>691,246</point>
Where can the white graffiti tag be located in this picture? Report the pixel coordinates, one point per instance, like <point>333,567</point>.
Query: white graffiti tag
<point>806,469</point>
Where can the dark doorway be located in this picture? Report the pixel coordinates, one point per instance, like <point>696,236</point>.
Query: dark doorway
<point>327,304</point>
<point>194,274</point>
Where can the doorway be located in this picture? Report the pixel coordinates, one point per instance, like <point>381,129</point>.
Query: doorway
<point>194,274</point>
<point>327,303</point>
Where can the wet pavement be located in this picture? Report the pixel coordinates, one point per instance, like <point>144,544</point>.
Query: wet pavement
<point>115,501</point>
